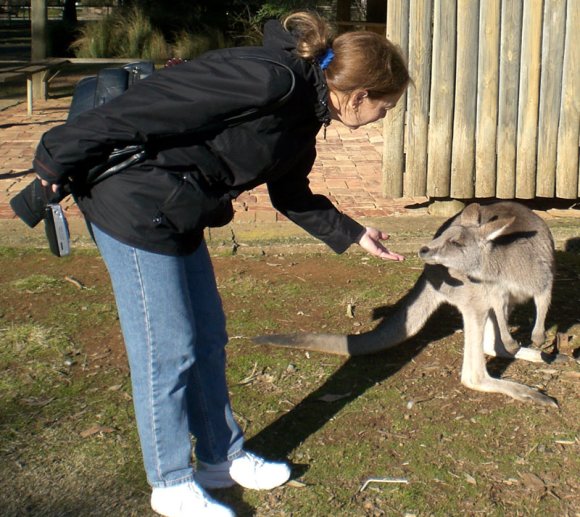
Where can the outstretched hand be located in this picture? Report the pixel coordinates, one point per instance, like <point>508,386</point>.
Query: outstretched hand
<point>370,242</point>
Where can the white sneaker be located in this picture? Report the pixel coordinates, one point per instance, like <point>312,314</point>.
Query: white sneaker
<point>248,470</point>
<point>187,500</point>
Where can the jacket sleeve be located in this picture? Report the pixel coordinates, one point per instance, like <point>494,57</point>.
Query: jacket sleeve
<point>291,196</point>
<point>175,102</point>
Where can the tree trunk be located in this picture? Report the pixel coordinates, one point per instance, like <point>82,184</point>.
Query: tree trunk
<point>39,34</point>
<point>69,13</point>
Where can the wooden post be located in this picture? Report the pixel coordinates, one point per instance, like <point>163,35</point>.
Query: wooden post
<point>394,124</point>
<point>463,152</point>
<point>511,24</point>
<point>568,166</point>
<point>39,37</point>
<point>550,95</point>
<point>441,104</point>
<point>487,90</point>
<point>415,181</point>
<point>529,100</point>
<point>376,11</point>
<point>342,14</point>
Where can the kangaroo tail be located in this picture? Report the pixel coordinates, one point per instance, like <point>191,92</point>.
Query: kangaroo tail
<point>409,316</point>
<point>329,343</point>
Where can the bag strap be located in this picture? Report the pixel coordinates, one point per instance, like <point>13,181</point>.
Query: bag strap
<point>120,159</point>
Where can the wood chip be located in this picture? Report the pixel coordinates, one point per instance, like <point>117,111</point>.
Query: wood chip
<point>74,282</point>
<point>295,484</point>
<point>470,479</point>
<point>532,481</point>
<point>383,480</point>
<point>96,429</point>
<point>350,310</point>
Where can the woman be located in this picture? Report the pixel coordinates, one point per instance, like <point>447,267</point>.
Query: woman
<point>212,128</point>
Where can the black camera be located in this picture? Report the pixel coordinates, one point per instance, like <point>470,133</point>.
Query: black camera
<point>56,228</point>
<point>31,202</point>
<point>35,203</point>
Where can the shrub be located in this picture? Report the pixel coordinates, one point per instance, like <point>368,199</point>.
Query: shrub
<point>97,39</point>
<point>188,45</point>
<point>123,33</point>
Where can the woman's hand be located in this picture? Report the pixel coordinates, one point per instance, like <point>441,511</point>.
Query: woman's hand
<point>53,187</point>
<point>370,242</point>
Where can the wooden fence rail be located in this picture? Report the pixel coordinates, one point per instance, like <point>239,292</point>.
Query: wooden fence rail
<point>495,106</point>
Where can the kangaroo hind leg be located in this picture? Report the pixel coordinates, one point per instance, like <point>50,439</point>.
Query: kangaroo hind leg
<point>474,372</point>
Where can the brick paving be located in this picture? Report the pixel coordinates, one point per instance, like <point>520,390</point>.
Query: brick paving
<point>347,169</point>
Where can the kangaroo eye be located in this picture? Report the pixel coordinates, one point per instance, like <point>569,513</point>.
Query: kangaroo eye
<point>455,243</point>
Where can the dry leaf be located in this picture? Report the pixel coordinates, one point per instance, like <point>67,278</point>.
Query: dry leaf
<point>295,484</point>
<point>350,310</point>
<point>95,430</point>
<point>532,481</point>
<point>75,282</point>
<point>470,479</point>
<point>37,402</point>
<point>115,387</point>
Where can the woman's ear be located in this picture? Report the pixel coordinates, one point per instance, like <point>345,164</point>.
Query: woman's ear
<point>357,98</point>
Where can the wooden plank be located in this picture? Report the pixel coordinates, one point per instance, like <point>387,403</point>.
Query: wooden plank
<point>36,75</point>
<point>487,92</point>
<point>7,76</point>
<point>441,102</point>
<point>511,27</point>
<point>415,179</point>
<point>567,166</point>
<point>39,39</point>
<point>463,151</point>
<point>394,124</point>
<point>550,95</point>
<point>529,100</point>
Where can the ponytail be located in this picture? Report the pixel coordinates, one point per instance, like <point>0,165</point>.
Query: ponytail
<point>361,59</point>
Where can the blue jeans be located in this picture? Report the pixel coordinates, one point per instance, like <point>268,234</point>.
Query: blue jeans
<point>174,330</point>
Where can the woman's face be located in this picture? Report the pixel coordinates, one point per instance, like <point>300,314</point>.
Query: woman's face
<point>359,109</point>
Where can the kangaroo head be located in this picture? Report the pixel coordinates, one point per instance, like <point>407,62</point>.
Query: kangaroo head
<point>466,244</point>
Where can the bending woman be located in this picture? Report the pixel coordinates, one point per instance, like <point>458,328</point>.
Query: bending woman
<point>212,128</point>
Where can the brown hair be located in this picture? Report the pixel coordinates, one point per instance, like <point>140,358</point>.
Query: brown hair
<point>362,60</point>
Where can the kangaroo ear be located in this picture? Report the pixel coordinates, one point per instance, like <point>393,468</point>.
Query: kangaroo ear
<point>496,228</point>
<point>471,215</point>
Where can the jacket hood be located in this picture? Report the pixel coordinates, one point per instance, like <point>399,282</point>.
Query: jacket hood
<point>276,37</point>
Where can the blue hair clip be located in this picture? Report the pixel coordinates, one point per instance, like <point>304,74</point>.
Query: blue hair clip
<point>326,59</point>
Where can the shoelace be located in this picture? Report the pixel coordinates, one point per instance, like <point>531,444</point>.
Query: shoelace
<point>198,492</point>
<point>256,461</point>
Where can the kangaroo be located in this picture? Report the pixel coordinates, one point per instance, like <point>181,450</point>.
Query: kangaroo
<point>482,261</point>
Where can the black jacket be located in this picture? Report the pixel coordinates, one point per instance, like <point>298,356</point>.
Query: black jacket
<point>180,114</point>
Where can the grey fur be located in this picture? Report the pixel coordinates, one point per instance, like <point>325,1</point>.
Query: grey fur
<point>482,261</point>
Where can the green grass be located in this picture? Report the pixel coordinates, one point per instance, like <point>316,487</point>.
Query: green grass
<point>68,443</point>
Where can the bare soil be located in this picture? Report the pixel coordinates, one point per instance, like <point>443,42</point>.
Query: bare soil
<point>342,422</point>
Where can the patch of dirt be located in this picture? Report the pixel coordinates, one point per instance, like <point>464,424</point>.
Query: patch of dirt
<point>412,390</point>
